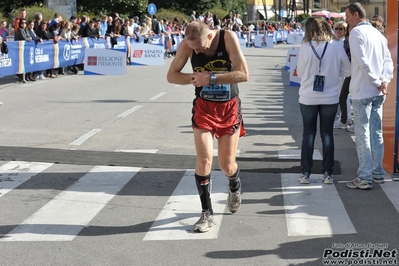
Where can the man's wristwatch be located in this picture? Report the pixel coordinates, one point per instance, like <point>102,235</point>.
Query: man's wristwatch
<point>213,79</point>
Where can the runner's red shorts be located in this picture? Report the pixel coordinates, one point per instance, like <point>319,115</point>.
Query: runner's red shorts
<point>221,118</point>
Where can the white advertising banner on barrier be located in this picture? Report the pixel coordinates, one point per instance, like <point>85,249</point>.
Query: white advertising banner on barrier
<point>294,79</point>
<point>105,62</point>
<point>243,44</point>
<point>147,55</point>
<point>264,42</point>
<point>294,38</point>
<point>292,52</point>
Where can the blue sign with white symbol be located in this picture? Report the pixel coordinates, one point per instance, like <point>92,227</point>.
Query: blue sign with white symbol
<point>152,9</point>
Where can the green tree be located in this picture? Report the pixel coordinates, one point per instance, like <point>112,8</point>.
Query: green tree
<point>107,6</point>
<point>7,6</point>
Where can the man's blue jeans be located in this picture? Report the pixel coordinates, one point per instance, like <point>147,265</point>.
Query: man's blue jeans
<point>310,113</point>
<point>369,141</point>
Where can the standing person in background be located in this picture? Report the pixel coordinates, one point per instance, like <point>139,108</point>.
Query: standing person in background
<point>103,25</point>
<point>322,61</point>
<point>22,34</point>
<point>3,30</point>
<point>21,15</point>
<point>155,26</point>
<point>214,114</point>
<point>372,70</point>
<point>192,17</point>
<point>38,19</point>
<point>341,33</point>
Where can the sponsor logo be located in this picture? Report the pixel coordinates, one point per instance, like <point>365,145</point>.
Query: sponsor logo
<point>108,61</point>
<point>138,53</point>
<point>5,61</point>
<point>67,52</point>
<point>31,55</point>
<point>40,57</point>
<point>92,60</point>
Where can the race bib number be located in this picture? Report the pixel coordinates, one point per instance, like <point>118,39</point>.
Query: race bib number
<point>318,84</point>
<point>216,92</point>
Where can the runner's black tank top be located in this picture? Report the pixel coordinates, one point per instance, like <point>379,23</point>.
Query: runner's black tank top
<point>219,62</point>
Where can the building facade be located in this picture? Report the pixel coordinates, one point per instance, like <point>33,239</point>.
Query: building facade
<point>373,7</point>
<point>255,8</point>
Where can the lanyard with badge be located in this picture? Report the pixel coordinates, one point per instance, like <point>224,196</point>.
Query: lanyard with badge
<point>318,84</point>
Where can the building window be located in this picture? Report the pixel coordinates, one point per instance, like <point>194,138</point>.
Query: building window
<point>376,11</point>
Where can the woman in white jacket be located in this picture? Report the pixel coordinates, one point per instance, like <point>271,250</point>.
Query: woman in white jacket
<point>322,63</point>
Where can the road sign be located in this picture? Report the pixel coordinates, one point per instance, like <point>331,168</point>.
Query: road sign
<point>152,9</point>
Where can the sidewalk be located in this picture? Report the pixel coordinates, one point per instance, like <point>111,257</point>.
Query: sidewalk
<point>277,102</point>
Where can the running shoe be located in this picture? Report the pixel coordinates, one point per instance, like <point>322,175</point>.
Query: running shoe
<point>234,200</point>
<point>204,223</point>
<point>328,179</point>
<point>304,179</point>
<point>358,183</point>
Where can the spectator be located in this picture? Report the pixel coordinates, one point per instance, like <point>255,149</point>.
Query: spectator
<point>66,31</point>
<point>73,20</point>
<point>216,22</point>
<point>75,32</point>
<point>139,36</point>
<point>38,19</point>
<point>32,33</point>
<point>192,16</point>
<point>91,31</point>
<point>201,17</point>
<point>22,34</point>
<point>238,20</point>
<point>321,63</point>
<point>21,15</point>
<point>103,25</point>
<point>156,26</point>
<point>110,22</point>
<point>341,33</point>
<point>57,19</point>
<point>3,30</point>
<point>83,24</point>
<point>41,32</point>
<point>372,71</point>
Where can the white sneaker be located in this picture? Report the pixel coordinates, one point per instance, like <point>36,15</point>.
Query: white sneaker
<point>41,76</point>
<point>304,179</point>
<point>339,124</point>
<point>350,128</point>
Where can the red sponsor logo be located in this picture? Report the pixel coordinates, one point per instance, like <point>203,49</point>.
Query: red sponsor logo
<point>138,53</point>
<point>92,60</point>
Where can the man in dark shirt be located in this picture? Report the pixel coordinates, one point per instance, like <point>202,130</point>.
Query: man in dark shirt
<point>91,31</point>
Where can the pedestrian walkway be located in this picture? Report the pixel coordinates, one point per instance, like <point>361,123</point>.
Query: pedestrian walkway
<point>310,210</point>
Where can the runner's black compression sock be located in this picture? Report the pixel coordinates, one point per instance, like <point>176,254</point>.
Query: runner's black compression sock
<point>234,181</point>
<point>204,191</point>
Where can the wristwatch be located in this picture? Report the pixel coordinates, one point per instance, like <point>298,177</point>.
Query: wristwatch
<point>213,79</point>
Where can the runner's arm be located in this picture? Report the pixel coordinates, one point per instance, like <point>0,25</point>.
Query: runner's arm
<point>174,73</point>
<point>240,72</point>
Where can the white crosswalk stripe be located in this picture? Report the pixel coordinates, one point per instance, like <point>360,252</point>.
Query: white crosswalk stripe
<point>13,174</point>
<point>66,215</point>
<point>177,217</point>
<point>314,209</point>
<point>310,210</point>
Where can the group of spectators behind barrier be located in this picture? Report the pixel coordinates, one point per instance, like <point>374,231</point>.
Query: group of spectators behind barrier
<point>31,56</point>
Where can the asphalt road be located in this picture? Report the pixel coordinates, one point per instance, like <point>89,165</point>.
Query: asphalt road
<point>97,170</point>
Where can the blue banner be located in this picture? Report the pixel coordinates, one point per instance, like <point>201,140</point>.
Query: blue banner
<point>24,57</point>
